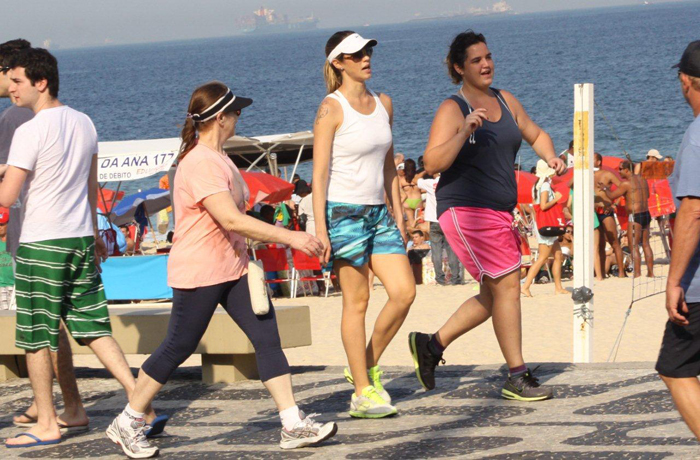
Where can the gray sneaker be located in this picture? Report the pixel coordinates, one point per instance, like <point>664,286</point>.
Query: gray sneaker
<point>131,437</point>
<point>525,387</point>
<point>307,432</point>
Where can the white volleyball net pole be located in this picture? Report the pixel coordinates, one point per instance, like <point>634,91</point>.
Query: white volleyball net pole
<point>583,221</point>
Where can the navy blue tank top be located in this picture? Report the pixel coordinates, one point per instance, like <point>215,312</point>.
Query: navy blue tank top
<point>482,175</point>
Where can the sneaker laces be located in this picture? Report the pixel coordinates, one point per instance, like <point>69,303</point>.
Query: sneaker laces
<point>529,379</point>
<point>309,422</point>
<point>138,429</point>
<point>435,361</point>
<point>376,375</point>
<point>371,394</point>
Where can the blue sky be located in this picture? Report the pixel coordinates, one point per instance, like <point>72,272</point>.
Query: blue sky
<point>79,23</point>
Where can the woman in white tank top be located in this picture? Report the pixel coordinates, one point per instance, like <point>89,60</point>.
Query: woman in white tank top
<point>353,170</point>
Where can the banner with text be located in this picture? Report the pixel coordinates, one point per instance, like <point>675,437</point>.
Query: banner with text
<point>126,161</point>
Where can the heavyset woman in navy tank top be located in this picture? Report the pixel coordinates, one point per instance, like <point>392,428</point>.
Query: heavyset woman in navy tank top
<point>473,142</point>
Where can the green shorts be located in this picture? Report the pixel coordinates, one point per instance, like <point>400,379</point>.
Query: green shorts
<point>58,279</point>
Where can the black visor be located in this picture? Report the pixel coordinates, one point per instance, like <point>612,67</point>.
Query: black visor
<point>228,103</point>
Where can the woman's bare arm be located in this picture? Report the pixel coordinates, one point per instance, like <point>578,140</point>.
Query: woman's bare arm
<point>328,118</point>
<point>225,211</point>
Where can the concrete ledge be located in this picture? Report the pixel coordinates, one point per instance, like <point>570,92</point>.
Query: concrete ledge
<point>227,354</point>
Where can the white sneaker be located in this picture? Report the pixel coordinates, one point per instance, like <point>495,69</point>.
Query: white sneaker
<point>370,405</point>
<point>131,437</point>
<point>307,432</point>
<point>374,375</point>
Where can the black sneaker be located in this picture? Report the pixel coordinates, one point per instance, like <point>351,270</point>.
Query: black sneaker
<point>423,359</point>
<point>526,388</point>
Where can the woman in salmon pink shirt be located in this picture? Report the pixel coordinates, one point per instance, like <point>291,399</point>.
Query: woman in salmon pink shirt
<point>208,266</point>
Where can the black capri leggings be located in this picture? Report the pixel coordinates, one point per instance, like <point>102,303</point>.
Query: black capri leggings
<point>191,313</point>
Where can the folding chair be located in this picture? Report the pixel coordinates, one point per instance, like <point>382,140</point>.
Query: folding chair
<point>274,260</point>
<point>303,262</point>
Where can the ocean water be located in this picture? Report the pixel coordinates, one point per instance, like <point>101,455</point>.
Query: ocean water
<point>142,91</point>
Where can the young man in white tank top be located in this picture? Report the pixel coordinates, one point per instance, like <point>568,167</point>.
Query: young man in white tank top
<point>353,169</point>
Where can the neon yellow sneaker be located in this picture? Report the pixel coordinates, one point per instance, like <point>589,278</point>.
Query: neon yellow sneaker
<point>370,405</point>
<point>375,375</point>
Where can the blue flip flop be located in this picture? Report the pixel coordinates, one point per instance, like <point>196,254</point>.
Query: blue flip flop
<point>38,442</point>
<point>157,426</point>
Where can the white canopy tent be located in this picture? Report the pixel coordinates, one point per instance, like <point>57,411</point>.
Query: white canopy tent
<point>120,161</point>
<point>131,160</point>
<point>276,150</point>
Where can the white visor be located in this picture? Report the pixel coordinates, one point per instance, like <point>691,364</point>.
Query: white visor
<point>350,45</point>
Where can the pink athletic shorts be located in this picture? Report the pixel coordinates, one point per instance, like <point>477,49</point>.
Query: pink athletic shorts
<point>483,239</point>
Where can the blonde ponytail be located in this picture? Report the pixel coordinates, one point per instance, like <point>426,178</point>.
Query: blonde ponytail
<point>332,76</point>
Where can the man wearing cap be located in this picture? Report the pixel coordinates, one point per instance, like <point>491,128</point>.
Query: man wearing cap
<point>679,358</point>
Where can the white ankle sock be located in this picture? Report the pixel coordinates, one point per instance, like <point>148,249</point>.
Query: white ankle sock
<point>132,413</point>
<point>290,417</point>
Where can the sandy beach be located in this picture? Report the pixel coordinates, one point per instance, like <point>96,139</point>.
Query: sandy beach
<point>547,327</point>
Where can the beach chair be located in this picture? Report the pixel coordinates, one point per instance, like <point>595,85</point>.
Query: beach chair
<point>134,233</point>
<point>303,262</point>
<point>274,260</point>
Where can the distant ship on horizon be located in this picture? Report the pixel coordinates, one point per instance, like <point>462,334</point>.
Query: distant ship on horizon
<point>497,8</point>
<point>267,21</point>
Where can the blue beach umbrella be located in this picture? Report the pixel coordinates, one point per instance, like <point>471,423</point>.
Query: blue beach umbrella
<point>153,201</point>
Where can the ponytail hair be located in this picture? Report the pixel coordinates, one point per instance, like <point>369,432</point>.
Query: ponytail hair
<point>332,76</point>
<point>409,169</point>
<point>202,98</point>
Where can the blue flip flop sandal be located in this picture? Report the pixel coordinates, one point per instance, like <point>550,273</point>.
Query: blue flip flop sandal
<point>38,442</point>
<point>157,426</point>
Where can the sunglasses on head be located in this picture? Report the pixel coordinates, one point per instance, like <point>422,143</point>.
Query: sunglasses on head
<point>5,69</point>
<point>366,51</point>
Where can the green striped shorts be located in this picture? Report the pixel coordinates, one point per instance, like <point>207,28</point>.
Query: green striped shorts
<point>58,279</point>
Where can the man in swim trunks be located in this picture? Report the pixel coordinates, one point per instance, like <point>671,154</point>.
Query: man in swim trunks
<point>605,210</point>
<point>636,192</point>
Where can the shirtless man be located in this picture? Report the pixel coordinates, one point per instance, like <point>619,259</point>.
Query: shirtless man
<point>636,192</point>
<point>605,211</point>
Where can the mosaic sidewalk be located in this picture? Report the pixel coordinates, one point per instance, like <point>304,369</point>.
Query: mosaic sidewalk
<point>600,411</point>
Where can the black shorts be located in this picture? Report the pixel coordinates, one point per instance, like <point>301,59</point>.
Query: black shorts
<point>605,215</point>
<point>642,218</point>
<point>680,349</point>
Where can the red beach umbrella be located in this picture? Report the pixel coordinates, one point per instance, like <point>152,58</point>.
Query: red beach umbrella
<point>266,188</point>
<point>612,162</point>
<point>525,182</point>
<point>106,200</point>
<point>564,178</point>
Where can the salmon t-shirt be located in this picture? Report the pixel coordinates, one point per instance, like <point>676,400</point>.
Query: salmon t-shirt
<point>203,253</point>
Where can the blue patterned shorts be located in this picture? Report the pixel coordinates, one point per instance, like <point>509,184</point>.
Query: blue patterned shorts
<point>358,230</point>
